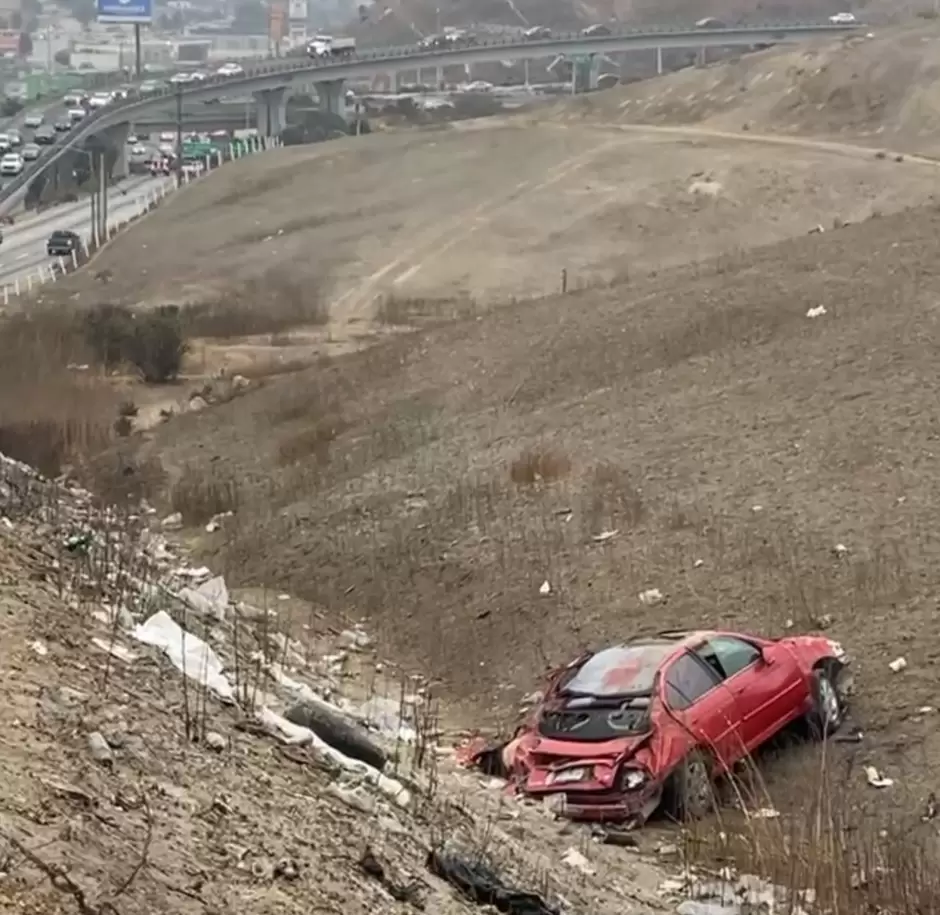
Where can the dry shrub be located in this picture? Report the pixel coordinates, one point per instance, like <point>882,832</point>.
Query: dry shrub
<point>539,466</point>
<point>120,477</point>
<point>313,442</point>
<point>50,415</point>
<point>614,501</point>
<point>203,491</point>
<point>272,304</point>
<point>401,311</point>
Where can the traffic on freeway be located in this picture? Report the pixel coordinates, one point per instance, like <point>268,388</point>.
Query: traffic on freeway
<point>23,250</point>
<point>122,104</point>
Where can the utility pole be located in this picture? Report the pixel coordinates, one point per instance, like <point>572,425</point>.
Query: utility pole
<point>137,49</point>
<point>179,136</point>
<point>103,199</point>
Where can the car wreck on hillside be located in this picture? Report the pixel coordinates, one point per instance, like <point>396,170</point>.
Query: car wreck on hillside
<point>651,723</point>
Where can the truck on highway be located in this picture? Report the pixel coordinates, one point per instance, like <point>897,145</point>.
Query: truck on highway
<point>328,46</point>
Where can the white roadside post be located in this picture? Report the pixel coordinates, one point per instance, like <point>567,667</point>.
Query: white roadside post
<point>62,263</point>
<point>74,259</point>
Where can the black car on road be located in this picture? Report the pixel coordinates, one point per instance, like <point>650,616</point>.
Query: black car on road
<point>45,135</point>
<point>63,242</point>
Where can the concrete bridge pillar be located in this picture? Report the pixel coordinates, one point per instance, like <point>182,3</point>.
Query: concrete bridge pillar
<point>271,111</point>
<point>332,96</point>
<point>116,137</point>
<point>659,61</point>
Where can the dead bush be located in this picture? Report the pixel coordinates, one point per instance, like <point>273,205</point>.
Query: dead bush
<point>269,305</point>
<point>614,501</point>
<point>157,344</point>
<point>201,492</point>
<point>107,330</point>
<point>539,466</point>
<point>120,477</point>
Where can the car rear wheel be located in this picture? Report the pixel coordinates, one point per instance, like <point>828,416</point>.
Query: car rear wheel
<point>829,707</point>
<point>690,793</point>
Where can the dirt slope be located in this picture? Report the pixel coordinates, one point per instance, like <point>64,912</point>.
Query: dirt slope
<point>879,90</point>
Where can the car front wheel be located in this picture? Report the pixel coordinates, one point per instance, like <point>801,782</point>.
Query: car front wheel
<point>828,710</point>
<point>690,794</point>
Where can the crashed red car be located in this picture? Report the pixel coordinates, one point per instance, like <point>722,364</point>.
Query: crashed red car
<point>654,721</point>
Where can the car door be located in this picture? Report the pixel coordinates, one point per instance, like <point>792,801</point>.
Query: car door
<point>699,700</point>
<point>765,683</point>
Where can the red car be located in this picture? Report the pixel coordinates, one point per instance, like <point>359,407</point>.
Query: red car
<point>654,721</point>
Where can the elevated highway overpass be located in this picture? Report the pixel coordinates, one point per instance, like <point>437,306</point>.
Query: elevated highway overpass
<point>272,82</point>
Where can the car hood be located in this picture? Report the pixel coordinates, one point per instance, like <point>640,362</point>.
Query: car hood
<point>550,751</point>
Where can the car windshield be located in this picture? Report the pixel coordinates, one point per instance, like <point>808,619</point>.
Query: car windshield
<point>621,670</point>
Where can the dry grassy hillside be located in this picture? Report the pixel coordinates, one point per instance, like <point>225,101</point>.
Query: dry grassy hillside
<point>881,90</point>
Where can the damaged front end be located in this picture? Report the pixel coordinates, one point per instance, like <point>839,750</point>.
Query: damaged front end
<point>601,775</point>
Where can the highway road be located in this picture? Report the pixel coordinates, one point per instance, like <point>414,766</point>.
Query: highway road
<point>23,250</point>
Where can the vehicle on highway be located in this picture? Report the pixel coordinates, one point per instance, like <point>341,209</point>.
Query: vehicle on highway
<point>63,125</point>
<point>76,114</point>
<point>151,86</point>
<point>31,152</point>
<point>162,165</point>
<point>100,99</point>
<point>220,134</point>
<point>653,721</point>
<point>33,121</point>
<point>167,149</point>
<point>537,33</point>
<point>182,78</point>
<point>62,242</point>
<point>230,69</point>
<point>710,22</point>
<point>45,135</point>
<point>596,31</point>
<point>12,164</point>
<point>5,144</point>
<point>168,136</point>
<point>430,42</point>
<point>199,76</point>
<point>843,19</point>
<point>328,46</point>
<point>74,99</point>
<point>15,137</point>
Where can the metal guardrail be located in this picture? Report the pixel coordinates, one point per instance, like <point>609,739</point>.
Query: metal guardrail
<point>293,66</point>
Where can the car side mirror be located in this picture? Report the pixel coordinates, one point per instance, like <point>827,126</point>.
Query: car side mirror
<point>765,659</point>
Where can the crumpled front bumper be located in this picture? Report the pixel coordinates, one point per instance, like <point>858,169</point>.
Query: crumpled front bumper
<point>632,807</point>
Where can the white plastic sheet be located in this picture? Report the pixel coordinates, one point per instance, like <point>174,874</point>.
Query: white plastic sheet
<point>187,652</point>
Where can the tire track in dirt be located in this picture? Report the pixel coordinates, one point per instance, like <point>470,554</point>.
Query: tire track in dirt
<point>348,307</point>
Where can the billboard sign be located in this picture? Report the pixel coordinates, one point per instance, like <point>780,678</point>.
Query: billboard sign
<point>277,20</point>
<point>124,10</point>
<point>297,10</point>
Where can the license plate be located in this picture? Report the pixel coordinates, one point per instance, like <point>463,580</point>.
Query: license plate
<point>568,775</point>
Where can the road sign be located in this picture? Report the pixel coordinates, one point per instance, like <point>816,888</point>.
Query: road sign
<point>297,10</point>
<point>124,10</point>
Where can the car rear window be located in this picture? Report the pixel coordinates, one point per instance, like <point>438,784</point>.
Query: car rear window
<point>618,671</point>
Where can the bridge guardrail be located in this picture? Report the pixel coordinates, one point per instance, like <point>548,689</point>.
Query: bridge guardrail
<point>315,65</point>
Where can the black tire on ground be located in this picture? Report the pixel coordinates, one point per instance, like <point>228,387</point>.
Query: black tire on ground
<point>339,732</point>
<point>829,706</point>
<point>690,794</point>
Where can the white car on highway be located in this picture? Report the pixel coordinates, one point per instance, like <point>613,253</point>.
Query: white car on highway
<point>33,121</point>
<point>76,114</point>
<point>180,79</point>
<point>842,19</point>
<point>100,99</point>
<point>230,69</point>
<point>12,164</point>
<point>31,152</point>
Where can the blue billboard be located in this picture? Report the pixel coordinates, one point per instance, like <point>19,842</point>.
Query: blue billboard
<point>124,10</point>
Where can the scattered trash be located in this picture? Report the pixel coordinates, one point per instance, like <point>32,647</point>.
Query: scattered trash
<point>651,596</point>
<point>930,808</point>
<point>604,536</point>
<point>286,869</point>
<point>573,858</point>
<point>209,600</point>
<point>816,312</point>
<point>766,813</point>
<point>39,648</point>
<point>698,563</point>
<point>897,665</point>
<point>840,549</point>
<point>100,749</point>
<point>481,885</point>
<point>545,588</point>
<point>876,779</point>
<point>172,522</point>
<point>667,850</point>
<point>115,650</point>
<point>215,741</point>
<point>398,890</point>
<point>330,724</point>
<point>925,710</point>
<point>187,652</point>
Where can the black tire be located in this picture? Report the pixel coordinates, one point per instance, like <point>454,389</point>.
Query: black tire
<point>829,706</point>
<point>690,794</point>
<point>338,731</point>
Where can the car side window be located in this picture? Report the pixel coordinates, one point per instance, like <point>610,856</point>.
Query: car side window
<point>728,655</point>
<point>687,680</point>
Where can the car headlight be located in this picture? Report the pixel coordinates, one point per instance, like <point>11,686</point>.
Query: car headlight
<point>633,778</point>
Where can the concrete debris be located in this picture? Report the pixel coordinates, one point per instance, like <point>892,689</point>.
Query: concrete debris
<point>545,588</point>
<point>215,522</point>
<point>816,312</point>
<point>651,596</point>
<point>209,600</point>
<point>197,404</point>
<point>897,665</point>
<point>215,741</point>
<point>38,647</point>
<point>876,779</point>
<point>604,536</point>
